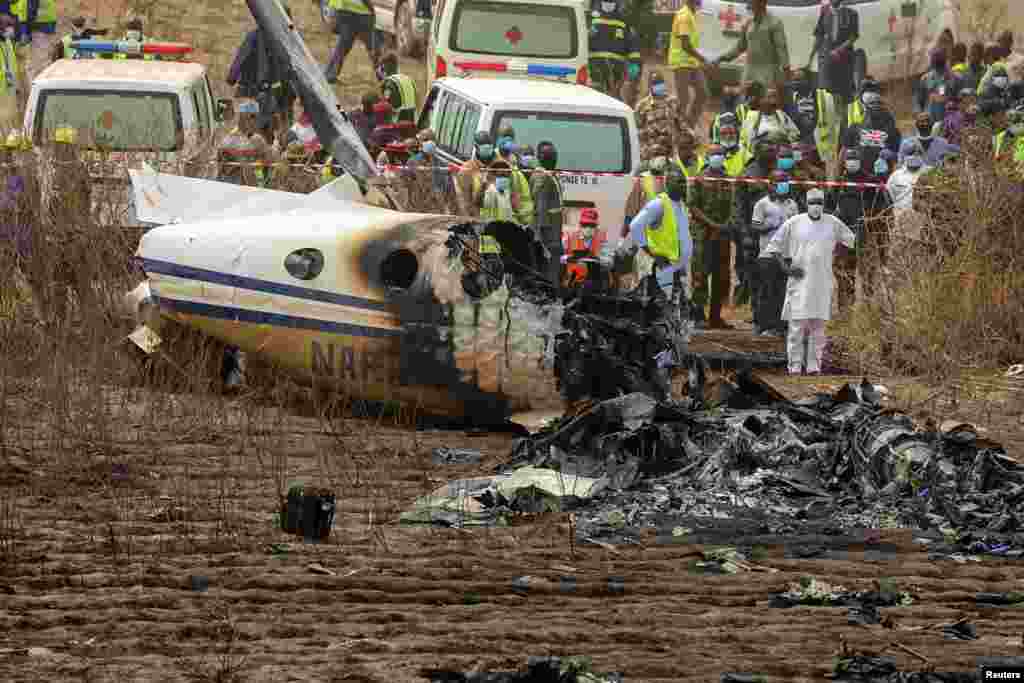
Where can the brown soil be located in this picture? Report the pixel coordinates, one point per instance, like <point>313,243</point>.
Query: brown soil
<point>95,569</point>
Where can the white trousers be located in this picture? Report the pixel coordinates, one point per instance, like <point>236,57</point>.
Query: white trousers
<point>811,331</point>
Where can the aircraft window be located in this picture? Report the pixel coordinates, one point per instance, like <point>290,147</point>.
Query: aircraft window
<point>399,269</point>
<point>304,264</point>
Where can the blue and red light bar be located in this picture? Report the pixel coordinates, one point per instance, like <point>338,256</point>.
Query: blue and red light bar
<point>129,47</point>
<point>528,69</point>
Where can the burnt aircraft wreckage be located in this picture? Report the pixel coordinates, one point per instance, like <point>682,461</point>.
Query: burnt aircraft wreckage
<point>444,313</point>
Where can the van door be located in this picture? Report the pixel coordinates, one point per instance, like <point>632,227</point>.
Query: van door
<point>456,122</point>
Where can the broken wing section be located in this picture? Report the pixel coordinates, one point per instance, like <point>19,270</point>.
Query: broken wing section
<point>333,129</point>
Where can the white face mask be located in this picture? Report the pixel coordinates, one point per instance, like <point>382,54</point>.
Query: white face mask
<point>8,33</point>
<point>608,7</point>
<point>1000,81</point>
<point>815,211</point>
<point>133,35</point>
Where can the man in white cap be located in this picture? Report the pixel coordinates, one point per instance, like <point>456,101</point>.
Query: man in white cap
<point>804,246</point>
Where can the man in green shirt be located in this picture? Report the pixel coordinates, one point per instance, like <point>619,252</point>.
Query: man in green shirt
<point>763,39</point>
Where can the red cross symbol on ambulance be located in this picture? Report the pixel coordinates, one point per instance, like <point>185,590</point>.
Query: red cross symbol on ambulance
<point>513,35</point>
<point>728,17</point>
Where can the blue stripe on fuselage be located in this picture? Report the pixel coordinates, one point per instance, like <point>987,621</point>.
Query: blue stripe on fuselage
<point>246,315</point>
<point>242,282</point>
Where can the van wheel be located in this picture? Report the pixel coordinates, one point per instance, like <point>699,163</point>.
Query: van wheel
<point>405,39</point>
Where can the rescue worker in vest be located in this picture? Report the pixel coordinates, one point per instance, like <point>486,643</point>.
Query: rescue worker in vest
<point>763,40</point>
<point>611,44</point>
<point>816,117</point>
<point>661,234</point>
<point>9,87</point>
<point>546,190</point>
<point>735,159</point>
<point>856,109</point>
<point>495,193</point>
<point>1009,144</point>
<point>835,34</point>
<point>352,19</point>
<point>505,145</point>
<point>585,242</point>
<point>803,248</point>
<point>735,106</point>
<point>745,196</point>
<point>649,181</point>
<point>1000,94</point>
<point>244,154</point>
<point>970,76</point>
<point>527,160</point>
<point>711,206</point>
<point>875,130</point>
<point>1000,52</point>
<point>687,63</point>
<point>507,149</point>
<point>37,30</point>
<point>765,117</point>
<point>397,88</point>
<point>468,178</point>
<point>770,212</point>
<point>657,115</point>
<point>687,157</point>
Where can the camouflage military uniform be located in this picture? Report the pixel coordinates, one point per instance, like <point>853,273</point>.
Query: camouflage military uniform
<point>656,118</point>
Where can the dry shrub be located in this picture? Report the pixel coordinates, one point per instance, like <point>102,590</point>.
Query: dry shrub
<point>979,19</point>
<point>944,297</point>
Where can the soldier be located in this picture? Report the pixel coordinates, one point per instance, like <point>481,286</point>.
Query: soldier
<point>657,115</point>
<point>611,44</point>
<point>546,189</point>
<point>711,205</point>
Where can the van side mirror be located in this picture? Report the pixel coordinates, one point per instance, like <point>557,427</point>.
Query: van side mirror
<point>225,109</point>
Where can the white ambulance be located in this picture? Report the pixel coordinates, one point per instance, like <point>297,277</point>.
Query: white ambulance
<point>595,135</point>
<point>544,39</point>
<point>125,111</point>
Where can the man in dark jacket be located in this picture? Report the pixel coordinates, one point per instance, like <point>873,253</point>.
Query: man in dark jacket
<point>745,195</point>
<point>877,131</point>
<point>258,74</point>
<point>546,190</point>
<point>837,30</point>
<point>856,206</point>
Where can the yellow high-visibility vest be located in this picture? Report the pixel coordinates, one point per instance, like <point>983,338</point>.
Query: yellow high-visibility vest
<point>407,92</point>
<point>855,113</point>
<point>664,239</point>
<point>352,6</point>
<point>826,135</point>
<point>735,164</point>
<point>649,184</point>
<point>46,14</point>
<point>522,186</point>
<point>9,64</point>
<point>676,57</point>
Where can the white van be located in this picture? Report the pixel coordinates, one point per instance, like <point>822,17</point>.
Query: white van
<point>158,111</point>
<point>594,133</point>
<point>546,39</point>
<point>891,31</point>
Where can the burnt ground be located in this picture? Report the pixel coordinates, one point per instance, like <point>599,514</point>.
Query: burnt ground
<point>140,546</point>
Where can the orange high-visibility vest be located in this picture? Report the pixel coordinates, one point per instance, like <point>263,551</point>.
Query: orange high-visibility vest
<point>574,242</point>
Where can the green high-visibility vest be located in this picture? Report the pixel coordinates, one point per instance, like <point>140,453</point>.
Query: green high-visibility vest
<point>649,183</point>
<point>407,92</point>
<point>9,62</point>
<point>525,211</point>
<point>352,6</point>
<point>663,240</point>
<point>46,14</point>
<point>69,52</point>
<point>855,113</point>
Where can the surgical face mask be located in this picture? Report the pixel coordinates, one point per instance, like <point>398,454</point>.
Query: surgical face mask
<point>607,7</point>
<point>505,140</point>
<point>659,90</point>
<point>853,165</point>
<point>786,163</point>
<point>716,161</point>
<point>815,211</point>
<point>485,152</point>
<point>914,163</point>
<point>798,156</point>
<point>429,147</point>
<point>1000,81</point>
<point>507,148</point>
<point>782,189</point>
<point>133,35</point>
<point>871,100</point>
<point>501,184</point>
<point>924,130</point>
<point>881,166</point>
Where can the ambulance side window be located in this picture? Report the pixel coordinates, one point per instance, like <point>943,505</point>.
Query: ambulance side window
<point>202,122</point>
<point>469,125</point>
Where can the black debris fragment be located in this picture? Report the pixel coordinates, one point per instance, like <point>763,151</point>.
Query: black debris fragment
<point>456,456</point>
<point>537,670</point>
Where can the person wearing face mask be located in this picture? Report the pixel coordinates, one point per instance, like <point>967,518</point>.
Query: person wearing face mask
<point>770,212</point>
<point>1000,53</point>
<point>900,185</point>
<point>803,249</point>
<point>397,88</point>
<point>1010,142</point>
<point>808,169</point>
<point>735,160</point>
<point>587,241</point>
<point>970,76</point>
<point>935,148</point>
<point>468,179</point>
<point>745,196</point>
<point>509,151</point>
<point>497,200</point>
<point>649,181</point>
<point>63,49</point>
<point>611,45</point>
<point>855,207</point>
<point>768,117</point>
<point>505,144</point>
<point>711,205</point>
<point>661,231</point>
<point>835,34</point>
<point>546,190</point>
<point>657,115</point>
<point>687,63</point>
<point>1000,94</point>
<point>818,122</point>
<point>952,121</point>
<point>932,89</point>
<point>244,154</point>
<point>527,160</point>
<point>876,129</point>
<point>727,118</point>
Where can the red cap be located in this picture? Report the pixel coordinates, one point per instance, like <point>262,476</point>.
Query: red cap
<point>589,216</point>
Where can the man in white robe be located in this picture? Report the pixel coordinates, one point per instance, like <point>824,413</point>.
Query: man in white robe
<point>805,246</point>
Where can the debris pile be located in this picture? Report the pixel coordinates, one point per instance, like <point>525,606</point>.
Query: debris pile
<point>537,670</point>
<point>740,458</point>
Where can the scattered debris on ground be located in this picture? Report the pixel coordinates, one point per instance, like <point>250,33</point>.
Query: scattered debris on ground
<point>537,670</point>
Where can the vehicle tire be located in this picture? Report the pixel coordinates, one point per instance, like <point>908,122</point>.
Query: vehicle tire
<point>405,39</point>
